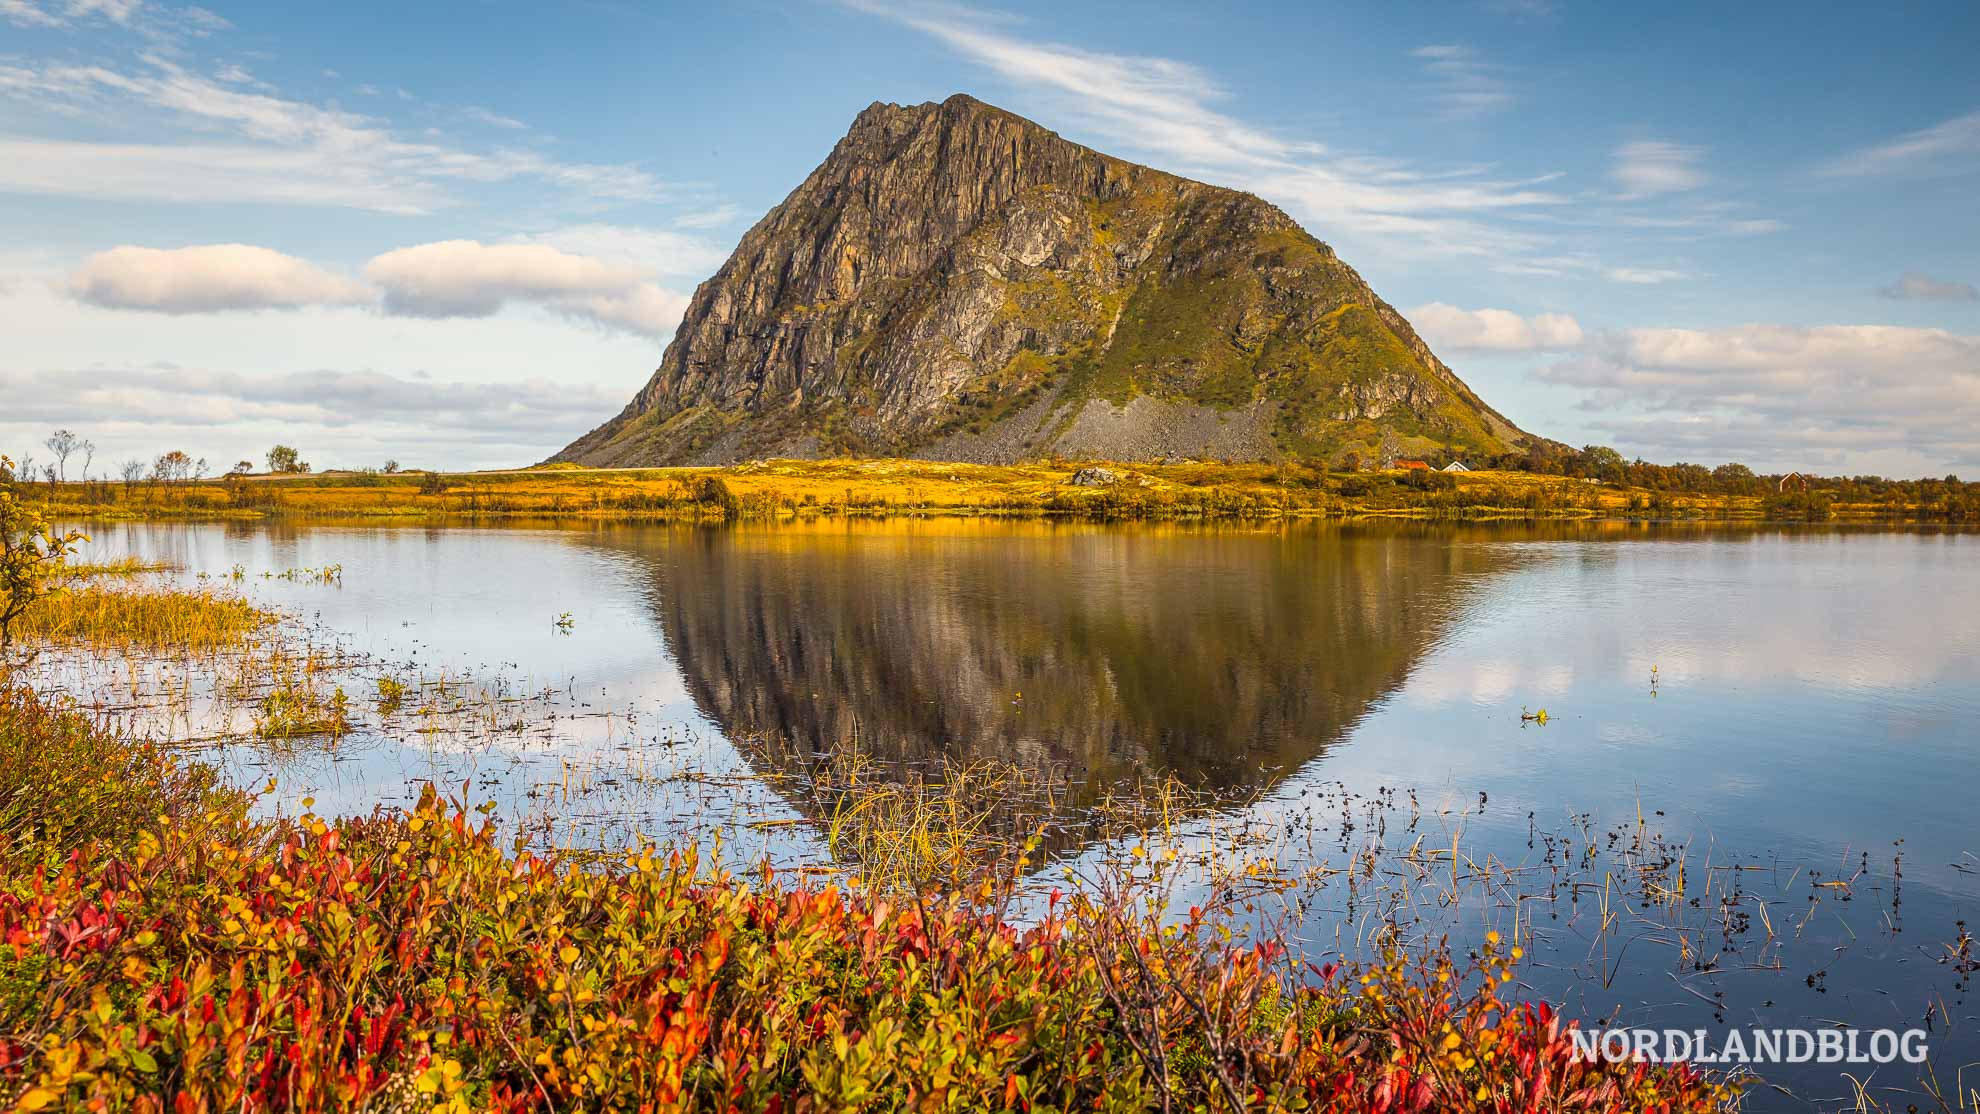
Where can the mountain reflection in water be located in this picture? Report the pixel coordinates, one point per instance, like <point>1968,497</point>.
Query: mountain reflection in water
<point>1222,657</point>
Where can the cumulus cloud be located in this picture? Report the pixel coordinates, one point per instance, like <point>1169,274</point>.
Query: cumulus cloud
<point>1914,286</point>
<point>1493,330</point>
<point>208,278</point>
<point>1650,167</point>
<point>1783,395</point>
<point>467,278</point>
<point>612,286</point>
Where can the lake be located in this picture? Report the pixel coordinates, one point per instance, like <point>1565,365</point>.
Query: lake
<point>1774,733</point>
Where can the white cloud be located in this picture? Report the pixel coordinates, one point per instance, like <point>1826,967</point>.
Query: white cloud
<point>206,279</point>
<point>1495,330</point>
<point>1650,167</point>
<point>1643,276</point>
<point>1914,286</point>
<point>1914,151</point>
<point>466,278</point>
<point>30,13</point>
<point>611,284</point>
<point>1467,86</point>
<point>27,13</point>
<point>280,150</point>
<point>1783,395</point>
<point>709,218</point>
<point>493,119</point>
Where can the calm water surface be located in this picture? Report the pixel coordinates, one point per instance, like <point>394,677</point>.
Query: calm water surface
<point>1804,703</point>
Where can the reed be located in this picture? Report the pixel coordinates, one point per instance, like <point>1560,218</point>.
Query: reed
<point>197,620</point>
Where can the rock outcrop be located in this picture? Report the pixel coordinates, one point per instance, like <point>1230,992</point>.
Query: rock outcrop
<point>956,282</point>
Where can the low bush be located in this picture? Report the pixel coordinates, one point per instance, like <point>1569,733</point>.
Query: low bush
<point>174,953</point>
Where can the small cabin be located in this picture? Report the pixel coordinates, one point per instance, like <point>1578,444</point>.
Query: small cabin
<point>1412,465</point>
<point>1456,466</point>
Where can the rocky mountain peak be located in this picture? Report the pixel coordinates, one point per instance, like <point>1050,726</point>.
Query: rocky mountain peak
<point>955,281</point>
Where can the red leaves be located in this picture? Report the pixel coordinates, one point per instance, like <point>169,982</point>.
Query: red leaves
<point>543,983</point>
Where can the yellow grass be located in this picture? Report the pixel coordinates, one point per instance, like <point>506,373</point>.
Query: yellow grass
<point>159,619</point>
<point>121,567</point>
<point>794,489</point>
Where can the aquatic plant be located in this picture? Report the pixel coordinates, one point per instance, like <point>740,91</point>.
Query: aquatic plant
<point>296,709</point>
<point>159,618</point>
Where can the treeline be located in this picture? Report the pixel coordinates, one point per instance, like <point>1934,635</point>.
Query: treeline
<point>1786,495</point>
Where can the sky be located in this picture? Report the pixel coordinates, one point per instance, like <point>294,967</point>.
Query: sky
<point>458,235</point>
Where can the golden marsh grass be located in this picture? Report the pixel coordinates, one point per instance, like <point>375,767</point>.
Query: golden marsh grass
<point>174,619</point>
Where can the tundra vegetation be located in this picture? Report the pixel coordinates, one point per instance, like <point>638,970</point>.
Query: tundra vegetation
<point>162,947</point>
<point>786,489</point>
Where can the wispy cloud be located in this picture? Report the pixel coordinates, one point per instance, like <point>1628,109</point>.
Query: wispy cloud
<point>1466,85</point>
<point>348,417</point>
<point>1953,141</point>
<point>1914,286</point>
<point>164,26</point>
<point>482,115</point>
<point>276,150</point>
<point>1643,276</point>
<point>1650,167</point>
<point>1167,107</point>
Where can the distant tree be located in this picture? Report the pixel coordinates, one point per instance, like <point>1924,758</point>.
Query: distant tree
<point>132,471</point>
<point>285,459</point>
<point>711,491</point>
<point>243,467</point>
<point>1351,462</point>
<point>62,443</point>
<point>173,467</point>
<point>1600,462</point>
<point>29,550</point>
<point>199,469</point>
<point>391,466</point>
<point>1733,477</point>
<point>89,454</point>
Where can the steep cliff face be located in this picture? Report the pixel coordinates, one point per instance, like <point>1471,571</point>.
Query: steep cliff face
<point>957,282</point>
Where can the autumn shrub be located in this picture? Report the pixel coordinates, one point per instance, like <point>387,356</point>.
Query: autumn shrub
<point>180,955</point>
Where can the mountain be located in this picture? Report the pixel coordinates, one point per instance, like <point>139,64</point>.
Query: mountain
<point>956,282</point>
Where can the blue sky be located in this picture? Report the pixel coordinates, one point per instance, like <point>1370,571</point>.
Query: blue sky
<point>460,234</point>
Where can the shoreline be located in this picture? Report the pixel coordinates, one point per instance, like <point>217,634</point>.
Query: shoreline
<point>774,491</point>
